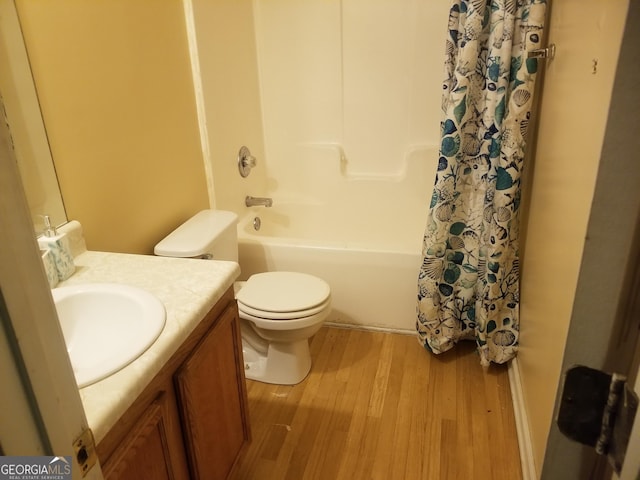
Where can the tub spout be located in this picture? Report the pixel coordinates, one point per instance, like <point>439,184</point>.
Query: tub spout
<point>255,201</point>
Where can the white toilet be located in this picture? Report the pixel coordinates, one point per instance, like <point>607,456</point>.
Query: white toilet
<point>279,311</point>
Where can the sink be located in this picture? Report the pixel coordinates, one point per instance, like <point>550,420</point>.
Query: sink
<point>106,326</point>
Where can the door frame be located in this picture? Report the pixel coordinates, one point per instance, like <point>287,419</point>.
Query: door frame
<point>631,466</point>
<point>602,332</point>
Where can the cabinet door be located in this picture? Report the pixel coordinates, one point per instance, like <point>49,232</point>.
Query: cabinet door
<point>144,452</point>
<point>212,398</point>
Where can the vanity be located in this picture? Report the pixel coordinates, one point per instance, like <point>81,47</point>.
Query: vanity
<point>179,411</point>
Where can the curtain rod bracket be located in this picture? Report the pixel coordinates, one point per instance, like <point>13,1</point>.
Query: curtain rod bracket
<point>548,52</point>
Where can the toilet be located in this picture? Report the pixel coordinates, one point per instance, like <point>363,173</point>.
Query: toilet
<point>279,311</point>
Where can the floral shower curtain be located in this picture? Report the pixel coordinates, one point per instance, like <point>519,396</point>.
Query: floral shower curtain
<point>468,285</point>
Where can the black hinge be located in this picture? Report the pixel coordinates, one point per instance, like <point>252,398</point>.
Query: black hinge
<point>598,409</point>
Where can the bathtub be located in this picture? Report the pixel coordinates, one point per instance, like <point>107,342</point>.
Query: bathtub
<point>372,267</point>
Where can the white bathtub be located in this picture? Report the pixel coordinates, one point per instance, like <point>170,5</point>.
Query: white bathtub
<point>362,233</point>
<point>372,267</point>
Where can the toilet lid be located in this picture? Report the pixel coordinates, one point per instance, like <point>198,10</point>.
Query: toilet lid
<point>283,292</point>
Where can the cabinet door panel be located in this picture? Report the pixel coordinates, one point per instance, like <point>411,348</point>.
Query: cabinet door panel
<point>212,398</point>
<point>144,452</point>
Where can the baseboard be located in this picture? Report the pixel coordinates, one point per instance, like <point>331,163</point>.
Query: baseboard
<point>522,423</point>
<point>353,326</point>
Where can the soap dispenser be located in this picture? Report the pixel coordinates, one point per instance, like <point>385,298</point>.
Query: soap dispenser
<point>58,244</point>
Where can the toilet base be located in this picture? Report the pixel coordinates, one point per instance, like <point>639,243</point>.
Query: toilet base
<point>283,364</point>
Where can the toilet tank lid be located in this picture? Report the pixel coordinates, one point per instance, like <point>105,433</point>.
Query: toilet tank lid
<point>194,237</point>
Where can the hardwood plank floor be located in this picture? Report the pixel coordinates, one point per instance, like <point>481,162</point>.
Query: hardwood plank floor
<point>377,406</point>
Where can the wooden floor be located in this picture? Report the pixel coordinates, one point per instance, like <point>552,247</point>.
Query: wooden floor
<point>377,406</point>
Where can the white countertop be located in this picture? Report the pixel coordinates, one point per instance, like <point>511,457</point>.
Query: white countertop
<point>188,289</point>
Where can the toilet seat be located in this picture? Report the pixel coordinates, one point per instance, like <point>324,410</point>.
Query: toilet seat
<point>288,324</point>
<point>283,315</point>
<point>283,295</point>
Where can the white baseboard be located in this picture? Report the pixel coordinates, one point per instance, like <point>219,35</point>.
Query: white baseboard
<point>352,326</point>
<point>522,423</point>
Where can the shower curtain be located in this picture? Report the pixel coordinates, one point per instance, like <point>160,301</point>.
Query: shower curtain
<point>468,285</point>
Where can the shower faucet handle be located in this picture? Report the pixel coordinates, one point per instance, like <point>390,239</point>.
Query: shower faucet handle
<point>246,161</point>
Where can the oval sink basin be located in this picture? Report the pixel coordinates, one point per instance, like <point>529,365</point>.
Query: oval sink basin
<point>106,326</point>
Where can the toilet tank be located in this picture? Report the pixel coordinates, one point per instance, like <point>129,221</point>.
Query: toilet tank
<point>208,234</point>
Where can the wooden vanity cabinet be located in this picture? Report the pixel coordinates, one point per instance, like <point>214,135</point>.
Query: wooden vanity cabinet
<point>145,452</point>
<point>192,421</point>
<point>211,404</point>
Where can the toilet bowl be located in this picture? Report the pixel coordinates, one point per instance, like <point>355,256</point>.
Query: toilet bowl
<point>279,311</point>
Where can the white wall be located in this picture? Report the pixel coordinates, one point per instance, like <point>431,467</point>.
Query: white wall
<point>338,99</point>
<point>351,81</point>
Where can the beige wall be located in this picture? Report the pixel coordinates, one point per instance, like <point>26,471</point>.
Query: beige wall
<point>115,87</point>
<point>229,74</point>
<point>27,130</point>
<point>573,116</point>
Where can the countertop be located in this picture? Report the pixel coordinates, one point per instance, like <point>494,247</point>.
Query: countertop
<point>188,289</point>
